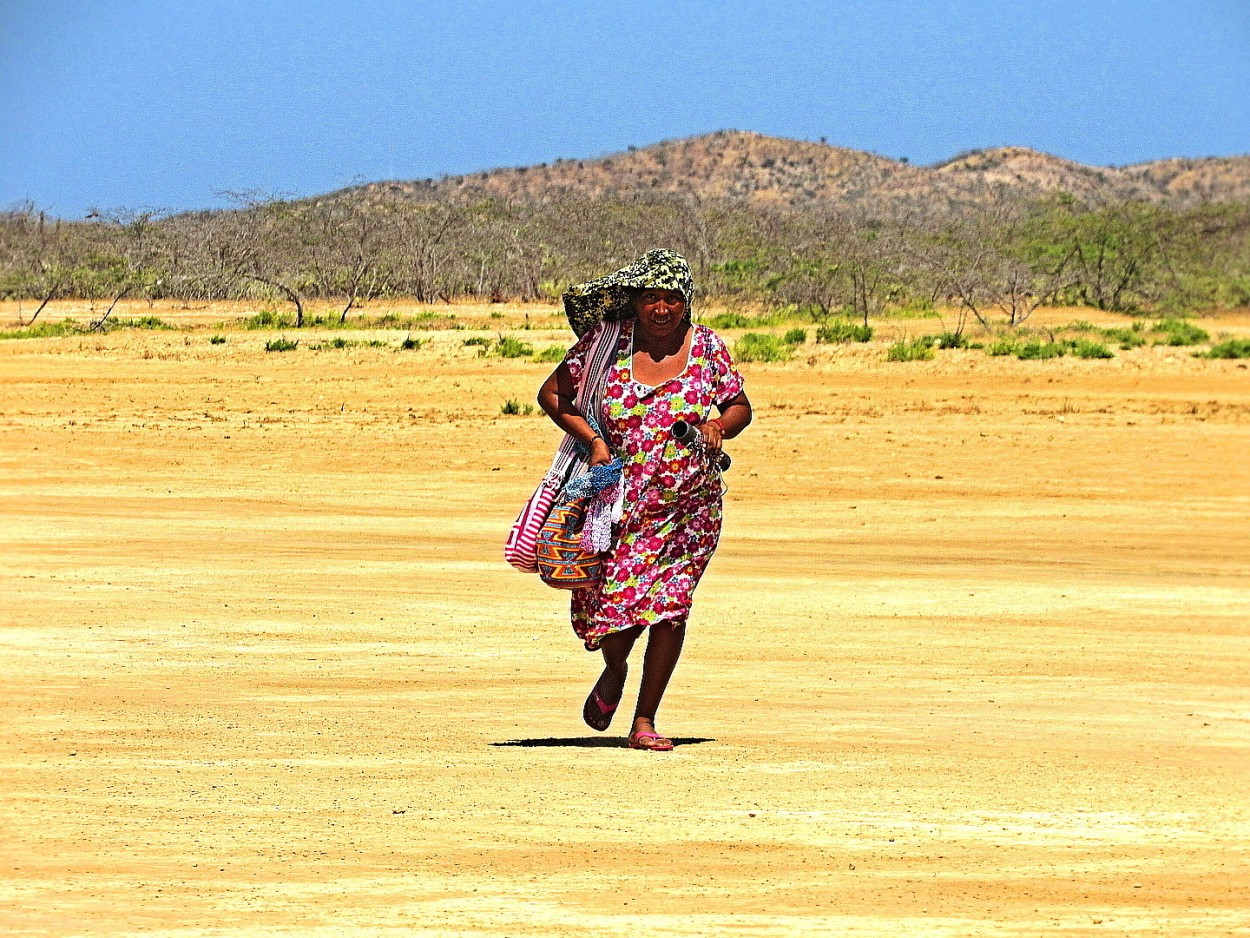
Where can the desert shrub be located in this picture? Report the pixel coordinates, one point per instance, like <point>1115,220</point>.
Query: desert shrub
<point>1082,325</point>
<point>728,321</point>
<point>509,347</point>
<point>514,408</point>
<point>336,343</point>
<point>1036,350</point>
<point>1126,338</point>
<point>281,345</point>
<point>950,340</point>
<point>216,340</point>
<point>141,322</point>
<point>760,347</point>
<point>1000,347</point>
<point>1178,332</point>
<point>411,345</point>
<point>552,353</point>
<point>795,336</point>
<point>1088,348</point>
<point>843,330</point>
<point>917,350</point>
<point>268,319</point>
<point>1232,348</point>
<point>44,330</point>
<point>478,340</point>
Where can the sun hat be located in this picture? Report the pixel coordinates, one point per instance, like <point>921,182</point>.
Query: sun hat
<point>611,297</point>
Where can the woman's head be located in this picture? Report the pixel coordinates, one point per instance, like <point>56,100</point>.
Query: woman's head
<point>660,311</point>
<point>613,296</point>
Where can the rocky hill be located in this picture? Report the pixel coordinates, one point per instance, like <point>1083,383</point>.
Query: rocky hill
<point>779,171</point>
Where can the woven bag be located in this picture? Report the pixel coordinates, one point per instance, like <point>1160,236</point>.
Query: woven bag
<point>521,547</point>
<point>562,561</point>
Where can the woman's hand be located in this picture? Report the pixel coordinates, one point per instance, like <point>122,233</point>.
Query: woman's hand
<point>600,455</point>
<point>713,436</point>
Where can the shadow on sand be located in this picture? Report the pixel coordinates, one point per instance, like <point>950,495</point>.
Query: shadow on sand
<point>597,742</point>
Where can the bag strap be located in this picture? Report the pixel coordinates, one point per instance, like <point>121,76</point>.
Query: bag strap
<point>589,398</point>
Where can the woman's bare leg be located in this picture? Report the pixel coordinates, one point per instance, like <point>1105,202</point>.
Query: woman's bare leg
<point>663,649</point>
<point>611,684</point>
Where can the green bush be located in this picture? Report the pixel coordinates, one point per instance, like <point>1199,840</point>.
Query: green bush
<point>1232,348</point>
<point>509,347</point>
<point>1125,338</point>
<point>411,345</point>
<point>843,330</point>
<point>728,321</point>
<point>1177,332</point>
<point>1000,347</point>
<point>1088,348</point>
<point>268,319</point>
<point>281,345</point>
<point>44,330</point>
<point>513,408</point>
<point>760,347</point>
<point>796,336</point>
<point>950,340</point>
<point>216,340</point>
<point>917,350</point>
<point>478,340</point>
<point>1037,350</point>
<point>552,353</point>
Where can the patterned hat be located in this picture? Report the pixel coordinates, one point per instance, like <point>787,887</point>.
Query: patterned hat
<point>611,297</point>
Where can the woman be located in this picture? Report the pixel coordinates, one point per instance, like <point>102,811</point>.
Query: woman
<point>666,369</point>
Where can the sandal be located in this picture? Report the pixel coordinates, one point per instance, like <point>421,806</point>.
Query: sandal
<point>596,713</point>
<point>661,744</point>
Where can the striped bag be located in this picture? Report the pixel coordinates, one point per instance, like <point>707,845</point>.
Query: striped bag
<point>520,549</point>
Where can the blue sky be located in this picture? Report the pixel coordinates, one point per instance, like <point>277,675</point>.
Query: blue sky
<point>168,105</point>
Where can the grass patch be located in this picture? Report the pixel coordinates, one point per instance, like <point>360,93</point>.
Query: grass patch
<point>140,322</point>
<point>478,340</point>
<point>412,345</point>
<point>950,340</point>
<point>761,347</point>
<point>917,350</point>
<point>552,353</point>
<point>795,336</point>
<point>1232,348</point>
<point>268,319</point>
<point>843,330</point>
<point>1177,332</point>
<point>1127,338</point>
<point>1036,350</point>
<point>281,345</point>
<point>514,408</point>
<point>1000,347</point>
<point>509,347</point>
<point>1088,348</point>
<point>44,330</point>
<point>216,340</point>
<point>339,342</point>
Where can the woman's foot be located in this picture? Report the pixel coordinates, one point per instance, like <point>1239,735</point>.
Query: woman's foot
<point>644,736</point>
<point>604,698</point>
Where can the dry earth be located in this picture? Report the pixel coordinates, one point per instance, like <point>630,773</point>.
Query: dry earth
<point>971,660</point>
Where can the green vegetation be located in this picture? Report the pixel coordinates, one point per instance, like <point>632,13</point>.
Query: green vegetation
<point>761,347</point>
<point>1036,350</point>
<point>281,345</point>
<point>915,350</point>
<point>44,330</point>
<point>338,342</point>
<point>843,330</point>
<point>479,340</point>
<point>412,345</point>
<point>552,353</point>
<point>508,347</point>
<point>1087,348</point>
<point>1231,348</point>
<point>514,408</point>
<point>1178,332</point>
<point>216,340</point>
<point>796,336</point>
<point>950,340</point>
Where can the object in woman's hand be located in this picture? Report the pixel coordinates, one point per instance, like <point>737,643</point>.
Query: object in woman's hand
<point>688,433</point>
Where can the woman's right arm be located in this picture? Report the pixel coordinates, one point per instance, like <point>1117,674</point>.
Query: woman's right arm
<point>557,397</point>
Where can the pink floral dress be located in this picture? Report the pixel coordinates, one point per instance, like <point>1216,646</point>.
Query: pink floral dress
<point>672,507</point>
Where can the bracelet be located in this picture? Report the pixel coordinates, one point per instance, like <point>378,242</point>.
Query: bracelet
<point>721,426</point>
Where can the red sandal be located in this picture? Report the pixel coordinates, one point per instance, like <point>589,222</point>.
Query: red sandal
<point>602,719</point>
<point>666,746</point>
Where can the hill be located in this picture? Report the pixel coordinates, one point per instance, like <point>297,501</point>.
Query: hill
<point>777,171</point>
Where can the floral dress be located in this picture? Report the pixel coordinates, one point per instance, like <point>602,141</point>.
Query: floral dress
<point>671,518</point>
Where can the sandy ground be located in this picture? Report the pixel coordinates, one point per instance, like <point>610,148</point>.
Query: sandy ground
<point>971,660</point>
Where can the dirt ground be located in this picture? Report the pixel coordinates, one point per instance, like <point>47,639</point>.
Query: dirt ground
<point>972,658</point>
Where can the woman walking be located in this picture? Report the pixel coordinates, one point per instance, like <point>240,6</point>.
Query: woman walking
<point>665,369</point>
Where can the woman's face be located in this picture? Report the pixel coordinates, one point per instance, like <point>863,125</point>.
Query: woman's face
<point>661,312</point>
